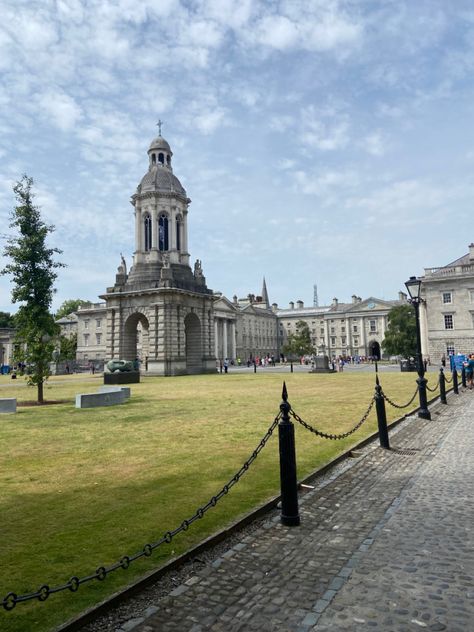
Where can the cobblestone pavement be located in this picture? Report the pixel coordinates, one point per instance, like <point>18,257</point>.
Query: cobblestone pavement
<point>387,545</point>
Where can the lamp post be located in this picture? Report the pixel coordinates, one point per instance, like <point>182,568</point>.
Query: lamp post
<point>413,286</point>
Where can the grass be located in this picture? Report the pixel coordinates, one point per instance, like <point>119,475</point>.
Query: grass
<point>81,488</point>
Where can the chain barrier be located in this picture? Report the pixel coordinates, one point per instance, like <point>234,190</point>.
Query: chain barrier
<point>432,390</point>
<point>389,401</point>
<point>448,381</point>
<point>325,435</point>
<point>10,601</point>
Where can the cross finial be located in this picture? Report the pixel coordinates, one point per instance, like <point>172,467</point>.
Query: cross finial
<point>160,123</point>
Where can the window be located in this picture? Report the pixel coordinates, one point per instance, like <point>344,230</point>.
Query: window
<point>354,328</point>
<point>356,341</point>
<point>333,330</point>
<point>447,297</point>
<point>161,158</point>
<point>163,232</point>
<point>86,340</point>
<point>471,296</point>
<point>450,349</point>
<point>333,341</point>
<point>98,338</point>
<point>98,322</point>
<point>472,316</point>
<point>343,340</point>
<point>448,321</point>
<point>373,325</point>
<point>343,330</point>
<point>178,234</point>
<point>147,228</point>
<point>86,324</point>
<point>322,331</point>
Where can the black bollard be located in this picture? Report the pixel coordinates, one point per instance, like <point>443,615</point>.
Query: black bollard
<point>291,367</point>
<point>381,415</point>
<point>442,387</point>
<point>455,382</point>
<point>463,376</point>
<point>288,481</point>
<point>254,367</point>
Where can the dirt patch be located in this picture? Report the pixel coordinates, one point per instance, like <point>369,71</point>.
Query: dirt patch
<point>47,402</point>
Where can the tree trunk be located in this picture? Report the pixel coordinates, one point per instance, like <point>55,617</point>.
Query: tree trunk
<point>40,392</point>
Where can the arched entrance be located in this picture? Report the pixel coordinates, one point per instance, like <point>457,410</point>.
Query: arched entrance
<point>136,339</point>
<point>374,350</point>
<point>192,332</point>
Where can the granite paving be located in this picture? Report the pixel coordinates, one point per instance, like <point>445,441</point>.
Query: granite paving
<point>385,545</point>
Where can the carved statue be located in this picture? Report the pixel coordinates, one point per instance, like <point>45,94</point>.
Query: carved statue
<point>122,269</point>
<point>166,260</point>
<point>198,268</point>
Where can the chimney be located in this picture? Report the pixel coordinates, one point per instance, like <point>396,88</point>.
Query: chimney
<point>354,298</point>
<point>274,307</point>
<point>402,296</point>
<point>292,305</point>
<point>299,304</point>
<point>335,302</point>
<point>235,299</point>
<point>471,252</point>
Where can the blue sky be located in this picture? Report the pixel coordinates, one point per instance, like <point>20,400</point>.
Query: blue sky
<point>321,141</point>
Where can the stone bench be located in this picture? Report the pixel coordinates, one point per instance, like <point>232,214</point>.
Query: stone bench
<point>111,389</point>
<point>96,400</point>
<point>7,405</point>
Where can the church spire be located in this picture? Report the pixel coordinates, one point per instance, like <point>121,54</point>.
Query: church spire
<point>265,294</point>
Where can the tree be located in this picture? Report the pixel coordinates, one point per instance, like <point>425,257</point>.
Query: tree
<point>32,269</point>
<point>400,337</point>
<point>299,343</point>
<point>69,306</point>
<point>68,347</point>
<point>7,320</point>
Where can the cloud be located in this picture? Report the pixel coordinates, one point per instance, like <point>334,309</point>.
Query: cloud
<point>60,109</point>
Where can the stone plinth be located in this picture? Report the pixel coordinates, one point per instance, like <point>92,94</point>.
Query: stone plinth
<point>96,400</point>
<point>7,405</point>
<point>111,389</point>
<point>321,365</point>
<point>127,377</point>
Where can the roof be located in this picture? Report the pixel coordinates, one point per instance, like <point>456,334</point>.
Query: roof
<point>160,143</point>
<point>161,179</point>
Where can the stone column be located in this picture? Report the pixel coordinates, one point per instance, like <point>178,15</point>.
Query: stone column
<point>138,245</point>
<point>172,230</point>
<point>233,341</point>
<point>363,337</point>
<point>154,228</point>
<point>224,337</point>
<point>216,336</point>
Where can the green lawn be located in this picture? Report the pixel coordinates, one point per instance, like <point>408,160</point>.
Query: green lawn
<point>81,488</point>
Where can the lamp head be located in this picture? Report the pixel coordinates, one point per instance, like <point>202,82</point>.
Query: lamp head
<point>413,286</point>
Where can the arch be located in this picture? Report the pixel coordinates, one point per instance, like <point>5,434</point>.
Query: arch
<point>163,238</point>
<point>161,158</point>
<point>136,338</point>
<point>168,160</point>
<point>192,332</point>
<point>153,159</point>
<point>374,349</point>
<point>147,226</point>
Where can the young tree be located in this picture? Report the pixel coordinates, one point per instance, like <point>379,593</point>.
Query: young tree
<point>67,347</point>
<point>400,337</point>
<point>299,343</point>
<point>69,306</point>
<point>32,269</point>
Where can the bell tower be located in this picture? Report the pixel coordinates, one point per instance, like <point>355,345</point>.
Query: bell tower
<point>161,311</point>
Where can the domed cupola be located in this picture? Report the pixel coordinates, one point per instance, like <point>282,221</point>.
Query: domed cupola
<point>160,152</point>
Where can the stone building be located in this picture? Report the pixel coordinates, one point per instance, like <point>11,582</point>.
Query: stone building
<point>347,329</point>
<point>447,313</point>
<point>7,337</point>
<point>91,332</point>
<point>161,310</point>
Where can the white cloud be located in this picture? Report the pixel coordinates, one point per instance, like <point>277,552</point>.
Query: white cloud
<point>60,109</point>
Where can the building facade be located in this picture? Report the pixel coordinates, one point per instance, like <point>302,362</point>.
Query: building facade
<point>447,313</point>
<point>341,329</point>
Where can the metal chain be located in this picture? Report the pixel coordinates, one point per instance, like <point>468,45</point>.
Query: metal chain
<point>325,435</point>
<point>448,381</point>
<point>387,399</point>
<point>432,390</point>
<point>10,601</point>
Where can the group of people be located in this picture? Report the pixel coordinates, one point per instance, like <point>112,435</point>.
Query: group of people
<point>469,370</point>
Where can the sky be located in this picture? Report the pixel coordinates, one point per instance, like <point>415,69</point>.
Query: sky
<point>326,142</point>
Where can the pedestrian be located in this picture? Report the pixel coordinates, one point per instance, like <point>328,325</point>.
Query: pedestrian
<point>470,371</point>
<point>226,365</point>
<point>443,361</point>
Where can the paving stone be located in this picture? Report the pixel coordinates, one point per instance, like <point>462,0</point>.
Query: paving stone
<point>386,544</point>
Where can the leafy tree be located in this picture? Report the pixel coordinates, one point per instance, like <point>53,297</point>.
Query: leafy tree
<point>299,343</point>
<point>400,337</point>
<point>7,320</point>
<point>67,347</point>
<point>69,306</point>
<point>32,269</point>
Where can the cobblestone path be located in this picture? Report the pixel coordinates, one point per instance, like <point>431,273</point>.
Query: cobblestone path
<point>386,545</point>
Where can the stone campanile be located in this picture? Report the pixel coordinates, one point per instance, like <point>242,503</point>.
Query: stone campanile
<point>161,311</point>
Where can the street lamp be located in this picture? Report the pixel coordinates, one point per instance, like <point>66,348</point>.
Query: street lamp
<point>413,286</point>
